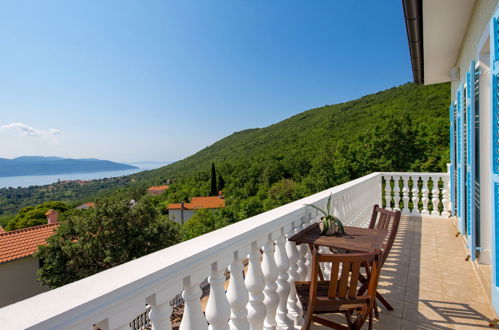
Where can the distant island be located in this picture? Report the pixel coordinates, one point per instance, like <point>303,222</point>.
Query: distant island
<point>38,165</point>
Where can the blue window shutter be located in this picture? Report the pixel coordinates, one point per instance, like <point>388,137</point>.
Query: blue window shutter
<point>452,161</point>
<point>460,159</point>
<point>494,62</point>
<point>470,161</point>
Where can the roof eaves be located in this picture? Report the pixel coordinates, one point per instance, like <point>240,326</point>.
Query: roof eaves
<point>413,14</point>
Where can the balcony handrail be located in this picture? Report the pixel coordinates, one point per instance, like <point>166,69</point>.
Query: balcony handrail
<point>115,296</point>
<point>78,303</point>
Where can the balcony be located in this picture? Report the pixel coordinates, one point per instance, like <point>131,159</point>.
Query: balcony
<point>251,266</point>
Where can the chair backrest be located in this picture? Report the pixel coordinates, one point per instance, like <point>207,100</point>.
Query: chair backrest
<point>345,273</point>
<point>383,219</point>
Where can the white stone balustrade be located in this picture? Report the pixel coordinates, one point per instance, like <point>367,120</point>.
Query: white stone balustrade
<point>438,195</point>
<point>262,297</point>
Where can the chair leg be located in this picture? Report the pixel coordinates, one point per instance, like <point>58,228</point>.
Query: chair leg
<point>348,316</point>
<point>384,302</point>
<point>307,322</point>
<point>371,319</point>
<point>376,312</point>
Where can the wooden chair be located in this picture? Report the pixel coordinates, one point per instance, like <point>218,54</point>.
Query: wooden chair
<point>383,219</point>
<point>340,294</point>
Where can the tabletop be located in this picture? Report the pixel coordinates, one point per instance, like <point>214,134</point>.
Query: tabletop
<point>356,239</point>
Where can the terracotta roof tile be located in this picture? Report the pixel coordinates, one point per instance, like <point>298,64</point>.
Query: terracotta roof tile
<point>21,243</point>
<point>85,206</point>
<point>212,202</point>
<point>158,188</point>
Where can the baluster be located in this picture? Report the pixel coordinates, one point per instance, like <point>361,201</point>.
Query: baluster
<point>237,295</point>
<point>270,272</point>
<point>435,198</point>
<point>255,282</point>
<point>295,311</point>
<point>283,288</point>
<point>415,198</point>
<point>405,193</point>
<point>396,193</point>
<point>160,315</point>
<point>193,316</point>
<point>382,201</point>
<point>389,192</point>
<point>308,253</point>
<point>217,309</point>
<point>425,198</point>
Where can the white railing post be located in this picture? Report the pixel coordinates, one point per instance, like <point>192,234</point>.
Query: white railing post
<point>193,316</point>
<point>270,272</point>
<point>283,287</point>
<point>396,192</point>
<point>424,191</point>
<point>237,295</point>
<point>388,191</point>
<point>435,197</point>
<point>405,193</point>
<point>217,309</point>
<point>294,310</point>
<point>255,282</point>
<point>415,198</point>
<point>160,313</point>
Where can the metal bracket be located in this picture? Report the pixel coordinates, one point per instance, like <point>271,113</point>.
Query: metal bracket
<point>467,258</point>
<point>457,234</point>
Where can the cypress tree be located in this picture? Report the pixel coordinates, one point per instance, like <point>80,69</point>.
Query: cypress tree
<point>213,191</point>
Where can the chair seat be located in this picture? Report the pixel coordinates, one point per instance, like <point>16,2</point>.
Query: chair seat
<point>325,305</point>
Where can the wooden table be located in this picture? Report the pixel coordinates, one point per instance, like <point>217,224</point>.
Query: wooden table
<point>356,239</point>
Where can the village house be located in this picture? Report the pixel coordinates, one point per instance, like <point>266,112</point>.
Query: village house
<point>18,266</point>
<point>182,212</point>
<point>157,190</point>
<point>85,206</point>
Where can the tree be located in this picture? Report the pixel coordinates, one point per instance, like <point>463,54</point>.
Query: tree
<point>101,238</point>
<point>221,182</point>
<point>34,215</point>
<point>213,191</point>
<point>204,221</point>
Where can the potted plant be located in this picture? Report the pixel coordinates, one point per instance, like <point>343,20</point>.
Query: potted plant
<point>329,224</point>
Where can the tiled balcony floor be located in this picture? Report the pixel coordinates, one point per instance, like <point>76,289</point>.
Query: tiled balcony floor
<point>428,282</point>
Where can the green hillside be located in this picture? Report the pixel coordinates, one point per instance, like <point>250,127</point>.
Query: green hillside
<point>400,129</point>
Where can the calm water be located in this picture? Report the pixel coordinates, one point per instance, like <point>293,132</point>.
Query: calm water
<point>38,180</point>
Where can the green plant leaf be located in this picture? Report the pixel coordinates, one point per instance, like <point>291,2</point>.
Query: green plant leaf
<point>329,204</point>
<point>317,208</point>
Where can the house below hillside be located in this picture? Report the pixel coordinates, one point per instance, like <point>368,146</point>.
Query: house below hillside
<point>182,212</point>
<point>157,190</point>
<point>18,266</point>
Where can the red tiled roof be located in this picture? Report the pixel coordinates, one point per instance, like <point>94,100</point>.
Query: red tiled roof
<point>85,206</point>
<point>158,188</point>
<point>212,202</point>
<point>24,242</point>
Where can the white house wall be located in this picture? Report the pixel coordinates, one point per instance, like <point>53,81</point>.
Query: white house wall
<point>18,280</point>
<point>482,13</point>
<point>477,29</point>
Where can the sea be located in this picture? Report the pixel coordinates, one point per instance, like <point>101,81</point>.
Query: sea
<point>40,180</point>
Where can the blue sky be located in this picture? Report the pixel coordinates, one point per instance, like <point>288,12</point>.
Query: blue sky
<point>160,80</point>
